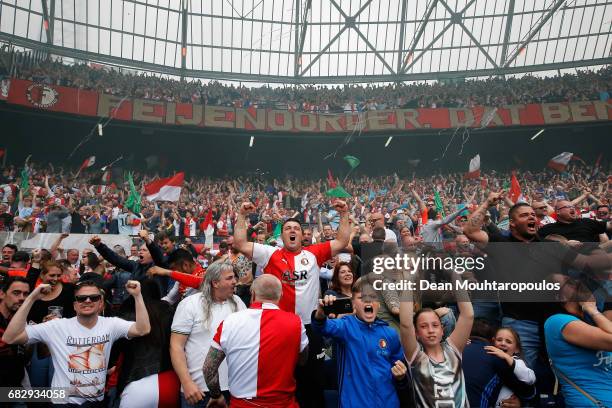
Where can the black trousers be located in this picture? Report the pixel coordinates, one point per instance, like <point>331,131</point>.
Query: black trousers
<point>310,377</point>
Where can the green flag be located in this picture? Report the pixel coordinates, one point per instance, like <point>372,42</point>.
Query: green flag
<point>337,192</point>
<point>276,233</point>
<point>438,201</point>
<point>25,181</point>
<point>133,200</point>
<point>277,230</point>
<point>352,161</point>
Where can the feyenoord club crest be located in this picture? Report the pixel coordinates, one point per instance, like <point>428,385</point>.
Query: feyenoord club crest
<point>382,343</point>
<point>41,95</point>
<point>304,261</point>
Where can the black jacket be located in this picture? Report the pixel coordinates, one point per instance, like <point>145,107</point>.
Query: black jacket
<point>138,270</point>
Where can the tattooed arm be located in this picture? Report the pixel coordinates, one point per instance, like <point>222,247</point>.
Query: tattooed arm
<point>473,228</point>
<point>213,360</point>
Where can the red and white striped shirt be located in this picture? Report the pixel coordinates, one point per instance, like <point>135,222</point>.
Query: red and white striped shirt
<point>298,273</point>
<point>261,345</point>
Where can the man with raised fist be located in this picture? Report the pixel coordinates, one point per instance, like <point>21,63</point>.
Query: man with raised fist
<point>80,346</point>
<point>298,269</point>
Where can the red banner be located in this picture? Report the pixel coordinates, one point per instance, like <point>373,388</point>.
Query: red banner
<point>53,98</point>
<point>90,103</point>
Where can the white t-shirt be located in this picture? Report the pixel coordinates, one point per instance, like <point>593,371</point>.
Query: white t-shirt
<point>188,320</point>
<point>123,221</point>
<point>390,235</point>
<point>80,355</point>
<point>136,224</point>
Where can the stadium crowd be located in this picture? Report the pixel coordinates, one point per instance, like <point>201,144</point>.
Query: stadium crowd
<point>582,86</point>
<point>282,308</point>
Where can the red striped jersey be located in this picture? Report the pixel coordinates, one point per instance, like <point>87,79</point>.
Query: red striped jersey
<point>261,345</point>
<point>298,273</point>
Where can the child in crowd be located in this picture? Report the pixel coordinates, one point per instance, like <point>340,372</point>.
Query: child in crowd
<point>437,365</point>
<point>507,346</point>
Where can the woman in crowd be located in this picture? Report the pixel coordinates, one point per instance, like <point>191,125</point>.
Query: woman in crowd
<point>436,364</point>
<point>91,263</point>
<point>507,346</point>
<point>342,281</point>
<point>579,345</point>
<point>58,301</point>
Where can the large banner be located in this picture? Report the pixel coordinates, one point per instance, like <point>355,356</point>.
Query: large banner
<point>90,103</point>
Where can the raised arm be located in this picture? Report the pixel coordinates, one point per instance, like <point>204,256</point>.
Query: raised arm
<point>584,335</point>
<point>407,331</point>
<point>461,334</point>
<point>240,230</point>
<point>449,218</point>
<point>186,279</point>
<point>110,256</point>
<point>473,228</point>
<point>56,244</point>
<point>142,326</point>
<point>418,199</point>
<point>344,229</point>
<point>156,252</point>
<point>581,197</point>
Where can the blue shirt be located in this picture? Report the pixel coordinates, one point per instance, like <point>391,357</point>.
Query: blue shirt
<point>590,369</point>
<point>485,375</point>
<point>366,353</point>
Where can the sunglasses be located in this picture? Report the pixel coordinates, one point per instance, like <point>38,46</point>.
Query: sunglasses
<point>564,207</point>
<point>83,298</point>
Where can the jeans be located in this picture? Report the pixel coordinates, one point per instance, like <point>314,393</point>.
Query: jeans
<point>202,404</point>
<point>41,370</point>
<point>309,378</point>
<point>530,338</point>
<point>489,311</point>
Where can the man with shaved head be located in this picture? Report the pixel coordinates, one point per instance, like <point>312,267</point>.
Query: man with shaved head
<point>571,226</point>
<point>262,345</point>
<point>542,210</point>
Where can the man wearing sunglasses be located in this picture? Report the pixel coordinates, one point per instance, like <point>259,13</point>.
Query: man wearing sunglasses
<point>80,346</point>
<point>571,226</point>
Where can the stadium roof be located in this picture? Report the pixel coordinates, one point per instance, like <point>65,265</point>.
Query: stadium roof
<point>318,41</point>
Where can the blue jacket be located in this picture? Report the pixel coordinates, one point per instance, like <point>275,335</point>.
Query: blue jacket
<point>366,353</point>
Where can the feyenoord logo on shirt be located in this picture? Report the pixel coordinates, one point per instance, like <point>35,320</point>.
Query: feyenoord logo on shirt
<point>41,95</point>
<point>304,261</point>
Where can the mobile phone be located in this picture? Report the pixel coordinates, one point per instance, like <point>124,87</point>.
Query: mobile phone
<point>340,306</point>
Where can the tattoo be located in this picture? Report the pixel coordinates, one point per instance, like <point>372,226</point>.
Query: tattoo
<point>476,219</point>
<point>211,369</point>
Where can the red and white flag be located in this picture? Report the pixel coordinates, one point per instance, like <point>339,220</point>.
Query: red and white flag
<point>166,189</point>
<point>515,190</point>
<point>106,176</point>
<point>474,169</point>
<point>560,161</point>
<point>209,228</point>
<point>90,161</point>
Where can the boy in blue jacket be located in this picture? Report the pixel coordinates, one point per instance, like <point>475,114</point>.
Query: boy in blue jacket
<point>369,351</point>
